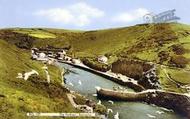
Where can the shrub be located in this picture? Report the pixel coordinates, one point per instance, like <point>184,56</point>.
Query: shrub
<point>100,109</point>
<point>163,55</point>
<point>178,49</point>
<point>20,40</point>
<point>179,61</point>
<point>94,64</point>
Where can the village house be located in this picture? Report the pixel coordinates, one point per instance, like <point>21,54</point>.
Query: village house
<point>67,58</point>
<point>34,56</point>
<point>34,53</point>
<point>64,52</point>
<point>61,55</point>
<point>102,59</point>
<point>50,54</point>
<point>76,61</point>
<point>42,57</point>
<point>34,50</point>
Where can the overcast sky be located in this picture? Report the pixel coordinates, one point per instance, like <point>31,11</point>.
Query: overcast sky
<point>85,14</point>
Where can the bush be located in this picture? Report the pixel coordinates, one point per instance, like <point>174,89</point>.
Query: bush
<point>20,40</point>
<point>178,49</point>
<point>100,109</point>
<point>179,61</point>
<point>163,55</point>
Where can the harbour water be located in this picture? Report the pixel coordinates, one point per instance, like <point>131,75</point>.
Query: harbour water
<point>85,82</point>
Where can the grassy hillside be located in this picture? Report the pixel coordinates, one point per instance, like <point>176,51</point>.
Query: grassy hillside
<point>164,44</point>
<point>17,97</point>
<point>141,41</point>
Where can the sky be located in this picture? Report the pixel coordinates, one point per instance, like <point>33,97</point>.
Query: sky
<point>85,14</point>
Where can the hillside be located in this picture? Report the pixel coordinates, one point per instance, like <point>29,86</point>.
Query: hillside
<point>167,45</point>
<point>17,97</point>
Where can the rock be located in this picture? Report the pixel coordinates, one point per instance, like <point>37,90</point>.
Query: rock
<point>150,80</point>
<point>90,103</point>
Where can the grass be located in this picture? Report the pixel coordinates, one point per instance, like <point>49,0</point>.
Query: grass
<point>19,96</point>
<point>180,75</point>
<point>38,33</point>
<point>147,55</point>
<point>185,40</point>
<point>166,84</point>
<point>180,27</point>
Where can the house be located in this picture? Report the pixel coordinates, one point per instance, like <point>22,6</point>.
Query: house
<point>42,57</point>
<point>63,52</point>
<point>67,58</point>
<point>34,51</point>
<point>76,61</point>
<point>50,54</point>
<point>61,55</point>
<point>102,59</point>
<point>34,56</point>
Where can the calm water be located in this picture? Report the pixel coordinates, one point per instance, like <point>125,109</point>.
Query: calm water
<point>127,110</point>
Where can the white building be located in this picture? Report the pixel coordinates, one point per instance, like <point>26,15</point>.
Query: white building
<point>102,59</point>
<point>34,56</point>
<point>76,61</point>
<point>63,52</point>
<point>34,50</point>
<point>67,58</point>
<point>42,57</point>
<point>50,54</point>
<point>61,55</point>
<point>34,53</point>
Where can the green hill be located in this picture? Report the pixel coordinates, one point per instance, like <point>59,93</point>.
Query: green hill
<point>164,44</point>
<point>167,44</point>
<point>17,97</point>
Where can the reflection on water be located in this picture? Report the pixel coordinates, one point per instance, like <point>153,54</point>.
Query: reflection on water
<point>85,82</point>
